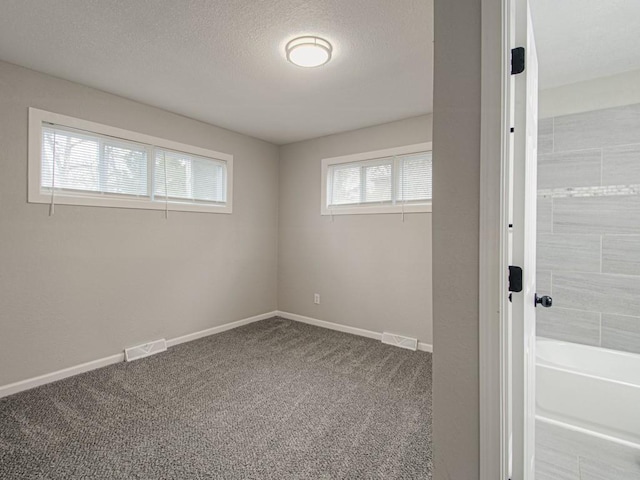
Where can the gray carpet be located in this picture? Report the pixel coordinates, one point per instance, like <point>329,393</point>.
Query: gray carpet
<point>274,399</point>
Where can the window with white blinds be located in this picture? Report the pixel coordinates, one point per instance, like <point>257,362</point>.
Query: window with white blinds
<point>76,162</point>
<point>83,162</point>
<point>188,177</point>
<point>378,182</point>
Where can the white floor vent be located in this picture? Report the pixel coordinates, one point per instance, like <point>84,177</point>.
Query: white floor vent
<point>400,341</point>
<point>141,351</point>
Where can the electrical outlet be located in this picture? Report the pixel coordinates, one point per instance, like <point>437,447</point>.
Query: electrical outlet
<point>316,298</point>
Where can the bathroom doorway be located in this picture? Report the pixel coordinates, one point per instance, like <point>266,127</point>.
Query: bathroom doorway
<point>588,240</point>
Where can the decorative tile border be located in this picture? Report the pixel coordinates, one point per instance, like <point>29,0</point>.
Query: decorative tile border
<point>595,191</point>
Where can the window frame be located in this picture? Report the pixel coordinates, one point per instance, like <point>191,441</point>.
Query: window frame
<point>35,194</point>
<point>373,208</point>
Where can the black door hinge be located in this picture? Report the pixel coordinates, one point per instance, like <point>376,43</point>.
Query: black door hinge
<point>517,60</point>
<point>515,279</point>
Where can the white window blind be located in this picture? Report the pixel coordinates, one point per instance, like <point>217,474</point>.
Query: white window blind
<point>76,162</point>
<point>189,177</point>
<point>361,182</point>
<point>378,182</point>
<point>415,178</point>
<point>345,185</point>
<point>92,163</point>
<point>398,180</point>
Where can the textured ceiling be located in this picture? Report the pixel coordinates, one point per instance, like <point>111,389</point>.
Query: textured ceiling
<point>585,39</point>
<point>223,61</point>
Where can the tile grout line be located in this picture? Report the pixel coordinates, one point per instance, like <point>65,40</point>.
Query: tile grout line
<point>552,202</point>
<point>579,467</point>
<point>601,166</point>
<point>600,313</point>
<point>553,149</point>
<point>600,330</point>
<point>601,242</point>
<point>579,150</point>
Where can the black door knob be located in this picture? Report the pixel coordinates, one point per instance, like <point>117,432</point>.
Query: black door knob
<point>546,301</point>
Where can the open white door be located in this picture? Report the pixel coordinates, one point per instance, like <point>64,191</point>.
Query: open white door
<point>524,109</point>
<point>508,242</point>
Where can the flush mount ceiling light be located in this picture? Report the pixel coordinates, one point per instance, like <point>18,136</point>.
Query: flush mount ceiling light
<point>308,51</point>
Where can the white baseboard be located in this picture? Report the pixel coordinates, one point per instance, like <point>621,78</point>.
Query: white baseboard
<point>330,325</point>
<point>219,329</point>
<point>424,347</point>
<point>30,383</point>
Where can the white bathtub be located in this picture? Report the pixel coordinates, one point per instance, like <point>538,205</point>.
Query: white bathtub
<point>591,389</point>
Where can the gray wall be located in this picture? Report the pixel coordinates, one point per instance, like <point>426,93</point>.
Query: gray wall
<point>371,271</point>
<point>456,191</point>
<point>589,227</point>
<point>87,282</point>
<point>595,94</point>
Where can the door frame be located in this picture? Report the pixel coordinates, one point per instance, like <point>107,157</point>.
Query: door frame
<point>497,32</point>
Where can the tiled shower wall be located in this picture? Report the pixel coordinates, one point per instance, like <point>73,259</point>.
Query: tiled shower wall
<point>589,227</point>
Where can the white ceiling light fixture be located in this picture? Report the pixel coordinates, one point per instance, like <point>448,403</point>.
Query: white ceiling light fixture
<point>309,51</point>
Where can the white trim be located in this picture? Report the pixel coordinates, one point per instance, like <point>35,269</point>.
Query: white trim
<point>378,209</point>
<point>35,195</point>
<point>494,429</point>
<point>22,385</point>
<point>387,152</point>
<point>425,207</point>
<point>330,325</point>
<point>219,329</point>
<point>30,383</point>
<point>422,346</point>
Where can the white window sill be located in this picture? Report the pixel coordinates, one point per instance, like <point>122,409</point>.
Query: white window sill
<point>376,209</point>
<point>119,202</point>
